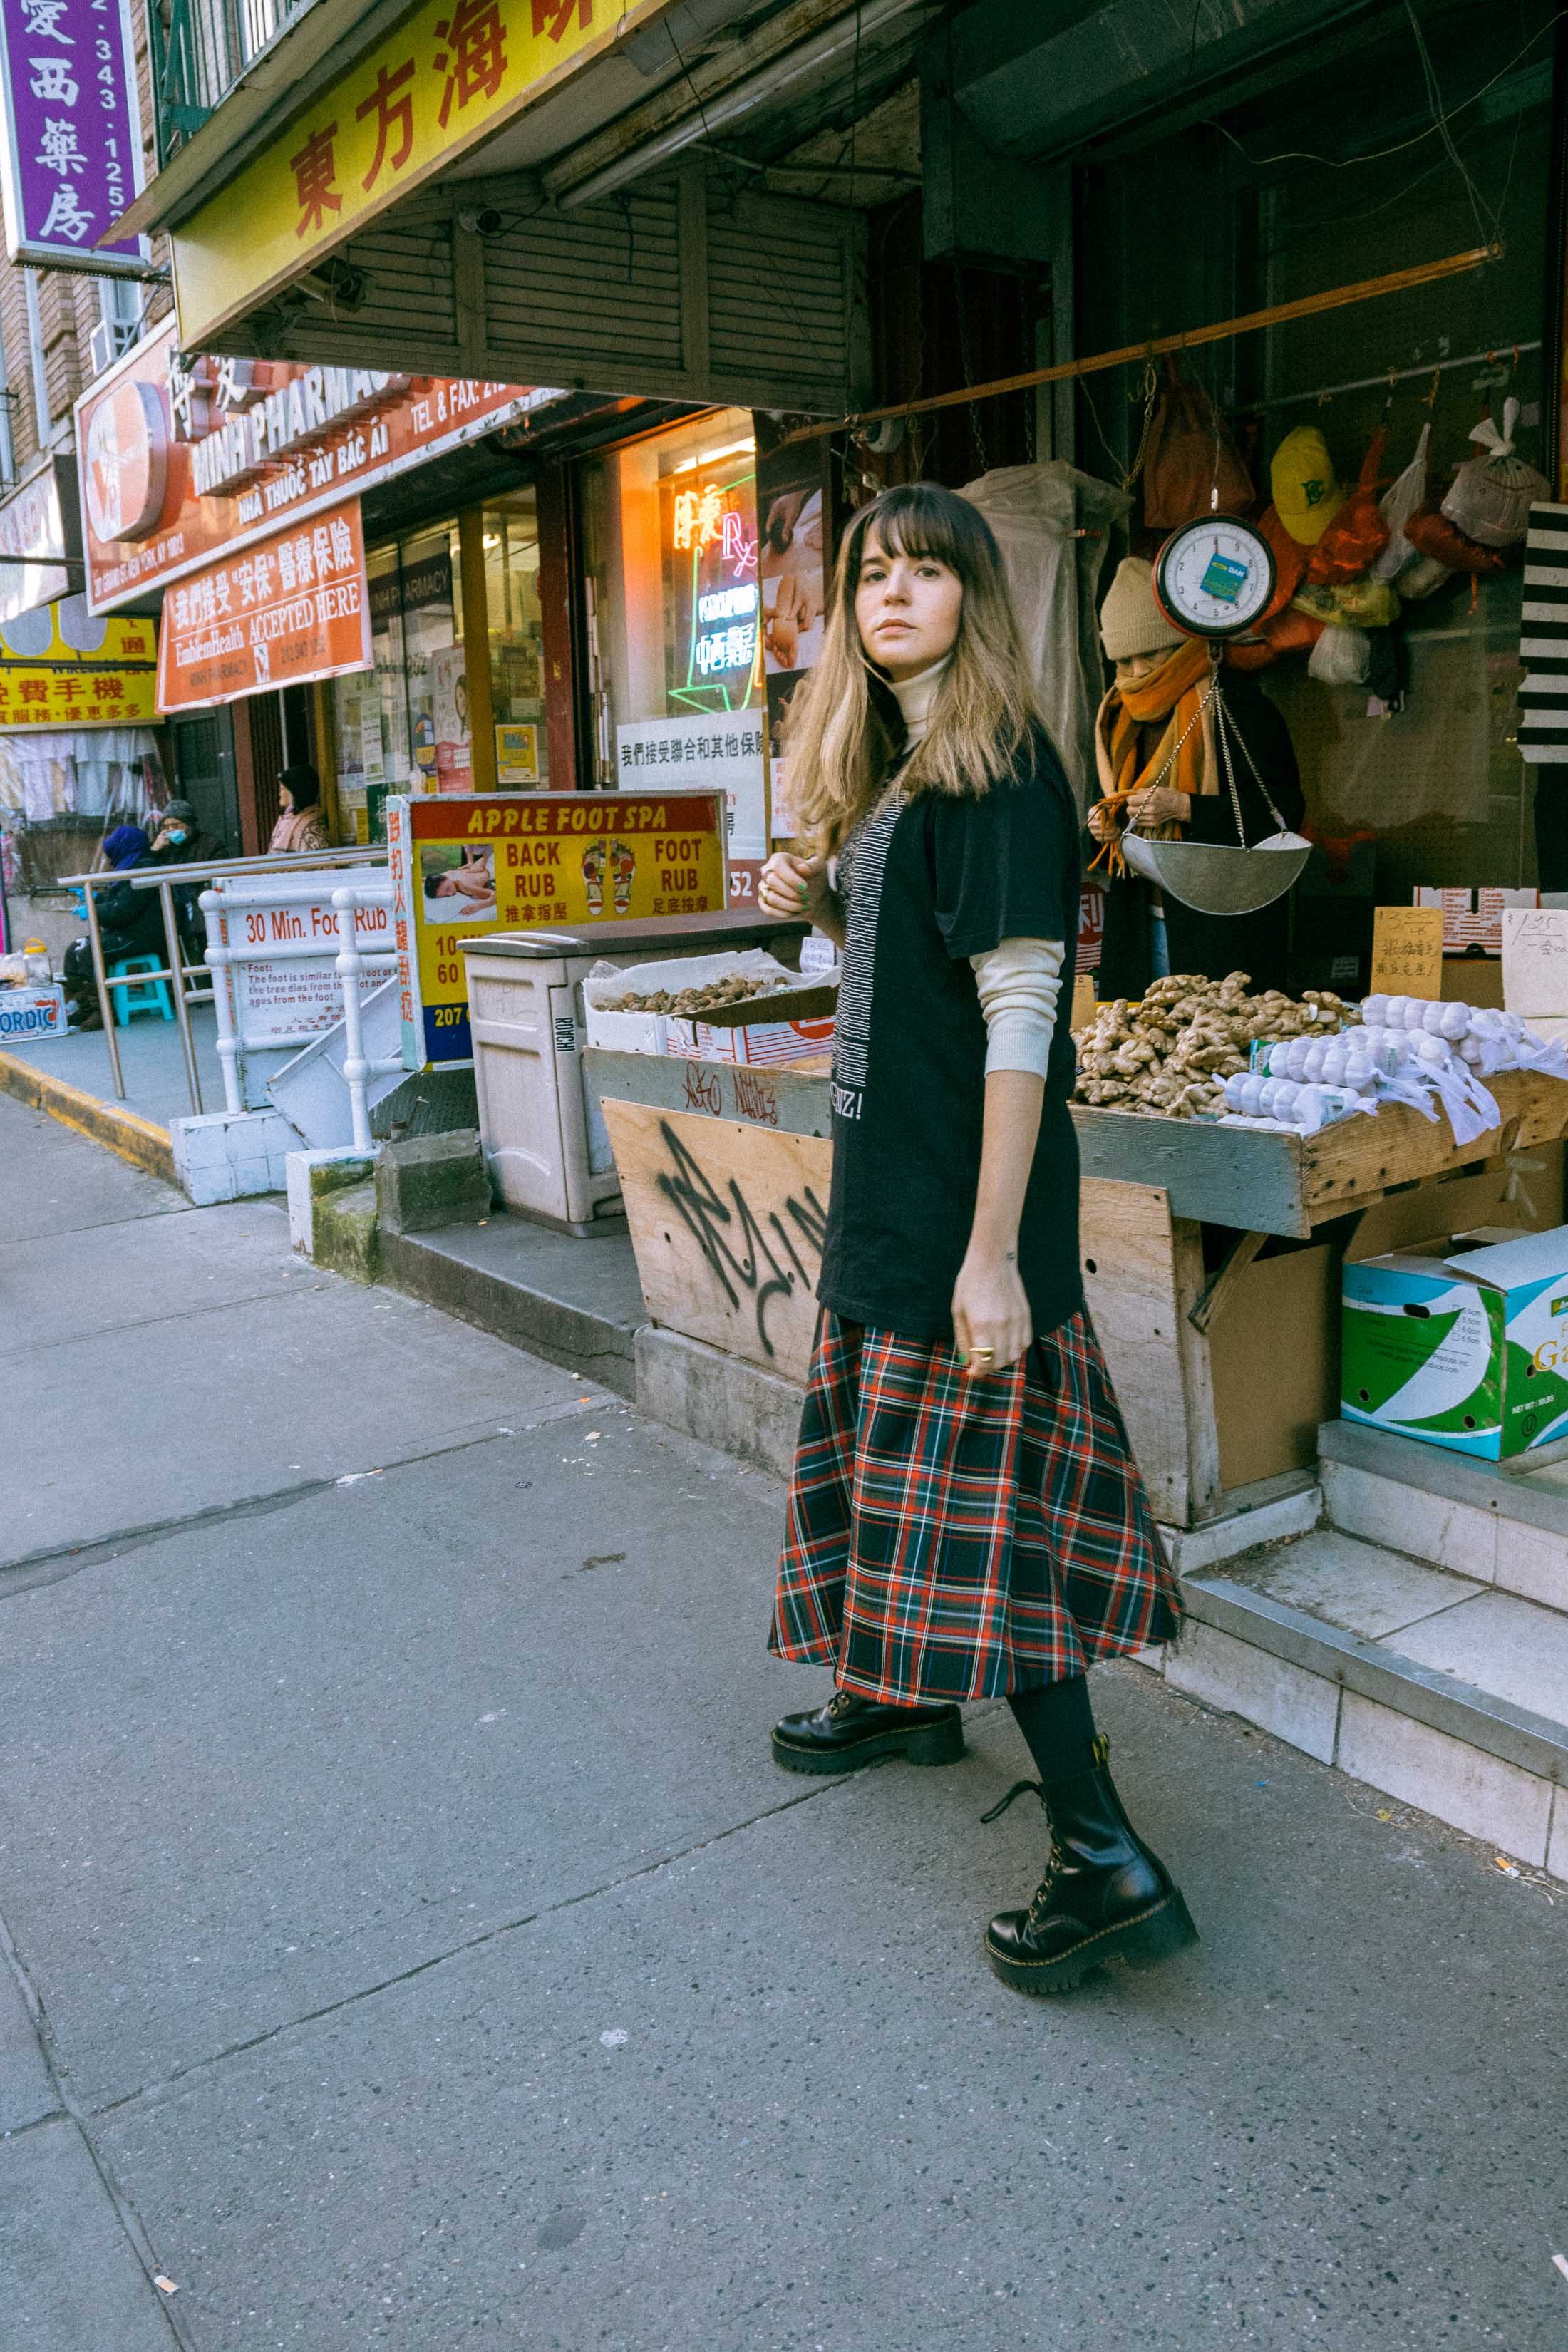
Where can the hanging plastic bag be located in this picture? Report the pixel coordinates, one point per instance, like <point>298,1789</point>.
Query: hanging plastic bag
<point>1350,605</point>
<point>1399,502</point>
<point>1190,457</point>
<point>1432,532</point>
<point>1358,533</point>
<point>1341,656</point>
<point>1423,578</point>
<point>1290,632</point>
<point>1491,495</point>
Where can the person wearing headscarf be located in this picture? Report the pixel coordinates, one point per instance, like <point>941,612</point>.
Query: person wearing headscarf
<point>301,824</point>
<point>130,921</point>
<point>1158,765</point>
<point>120,848</point>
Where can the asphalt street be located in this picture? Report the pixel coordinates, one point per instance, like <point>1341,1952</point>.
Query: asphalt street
<point>408,1941</point>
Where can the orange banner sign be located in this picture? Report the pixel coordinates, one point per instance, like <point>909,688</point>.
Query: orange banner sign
<point>292,608</point>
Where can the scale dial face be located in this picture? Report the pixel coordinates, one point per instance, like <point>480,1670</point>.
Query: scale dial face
<point>1214,577</point>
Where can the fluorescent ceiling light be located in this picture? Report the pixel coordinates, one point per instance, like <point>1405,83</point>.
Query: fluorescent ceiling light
<point>731,449</point>
<point>728,106</point>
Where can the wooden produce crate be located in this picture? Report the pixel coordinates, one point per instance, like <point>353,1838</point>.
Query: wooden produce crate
<point>1225,1357</point>
<point>1288,1184</point>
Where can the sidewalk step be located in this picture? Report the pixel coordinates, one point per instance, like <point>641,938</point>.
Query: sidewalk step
<point>1504,1525</point>
<point>1438,1688</point>
<point>572,1302</point>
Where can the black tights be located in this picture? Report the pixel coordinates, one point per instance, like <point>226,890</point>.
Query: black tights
<point>1058,1724</point>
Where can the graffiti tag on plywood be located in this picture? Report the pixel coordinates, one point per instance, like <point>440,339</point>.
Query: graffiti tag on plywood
<point>751,1255</point>
<point>728,1222</point>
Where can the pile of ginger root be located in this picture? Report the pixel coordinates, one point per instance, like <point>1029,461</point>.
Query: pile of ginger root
<point>1169,1056</point>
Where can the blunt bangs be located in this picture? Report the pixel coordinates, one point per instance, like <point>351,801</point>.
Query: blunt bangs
<point>917,521</point>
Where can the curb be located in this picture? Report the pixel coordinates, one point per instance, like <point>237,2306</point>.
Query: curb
<point>126,1132</point>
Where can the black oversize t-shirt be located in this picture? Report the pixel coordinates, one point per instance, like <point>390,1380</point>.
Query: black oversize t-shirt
<point>928,882</point>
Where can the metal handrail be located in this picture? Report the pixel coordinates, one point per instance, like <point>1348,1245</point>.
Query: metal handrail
<point>163,878</point>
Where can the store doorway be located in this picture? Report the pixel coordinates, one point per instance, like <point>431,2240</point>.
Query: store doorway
<point>203,748</point>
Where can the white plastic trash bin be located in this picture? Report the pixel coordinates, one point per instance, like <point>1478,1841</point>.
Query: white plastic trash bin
<point>545,1146</point>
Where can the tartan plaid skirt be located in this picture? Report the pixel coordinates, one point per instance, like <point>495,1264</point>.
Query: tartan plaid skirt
<point>956,1537</point>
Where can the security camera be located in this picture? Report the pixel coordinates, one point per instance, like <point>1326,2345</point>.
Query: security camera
<point>487,222</point>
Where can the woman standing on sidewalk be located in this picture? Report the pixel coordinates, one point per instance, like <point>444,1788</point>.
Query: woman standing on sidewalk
<point>965,1519</point>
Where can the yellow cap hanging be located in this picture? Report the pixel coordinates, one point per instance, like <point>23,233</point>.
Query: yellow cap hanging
<point>1306,493</point>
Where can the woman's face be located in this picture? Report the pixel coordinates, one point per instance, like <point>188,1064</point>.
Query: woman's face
<point>1138,666</point>
<point>907,609</point>
<point>287,799</point>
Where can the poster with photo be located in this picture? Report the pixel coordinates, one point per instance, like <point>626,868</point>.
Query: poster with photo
<point>449,692</point>
<point>793,573</point>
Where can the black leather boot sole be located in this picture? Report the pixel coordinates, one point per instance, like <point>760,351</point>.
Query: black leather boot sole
<point>1143,1941</point>
<point>927,1743</point>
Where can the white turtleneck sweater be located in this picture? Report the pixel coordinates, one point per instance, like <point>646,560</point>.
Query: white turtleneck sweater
<point>1019,981</point>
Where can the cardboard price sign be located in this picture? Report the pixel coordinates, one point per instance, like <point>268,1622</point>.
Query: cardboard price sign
<point>464,864</point>
<point>1407,951</point>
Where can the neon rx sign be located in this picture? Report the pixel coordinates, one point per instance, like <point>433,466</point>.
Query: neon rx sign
<point>701,518</point>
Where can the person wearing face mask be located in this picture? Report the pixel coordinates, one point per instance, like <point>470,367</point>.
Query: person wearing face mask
<point>1158,766</point>
<point>130,921</point>
<point>966,1519</point>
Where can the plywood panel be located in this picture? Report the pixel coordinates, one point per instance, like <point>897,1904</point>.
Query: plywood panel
<point>1128,1246</point>
<point>728,1222</point>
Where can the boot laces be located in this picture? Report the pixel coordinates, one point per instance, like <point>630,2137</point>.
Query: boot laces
<point>1017,1790</point>
<point>1039,1902</point>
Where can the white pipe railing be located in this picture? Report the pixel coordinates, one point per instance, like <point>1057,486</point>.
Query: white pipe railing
<point>351,961</point>
<point>348,964</point>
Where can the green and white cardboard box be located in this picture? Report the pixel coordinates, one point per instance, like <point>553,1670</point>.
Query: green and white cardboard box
<point>1467,1349</point>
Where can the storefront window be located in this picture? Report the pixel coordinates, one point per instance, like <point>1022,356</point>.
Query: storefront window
<point>396,719</point>
<point>675,645</point>
<point>517,658</point>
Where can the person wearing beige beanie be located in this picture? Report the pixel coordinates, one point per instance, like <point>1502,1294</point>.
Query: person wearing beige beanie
<point>1156,767</point>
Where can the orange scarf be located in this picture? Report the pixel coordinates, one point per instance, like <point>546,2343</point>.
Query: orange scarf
<point>1174,693</point>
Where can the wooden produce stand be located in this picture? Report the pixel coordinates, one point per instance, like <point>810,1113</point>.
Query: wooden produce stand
<point>1210,1266</point>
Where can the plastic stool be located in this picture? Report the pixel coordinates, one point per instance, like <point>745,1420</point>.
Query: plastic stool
<point>153,996</point>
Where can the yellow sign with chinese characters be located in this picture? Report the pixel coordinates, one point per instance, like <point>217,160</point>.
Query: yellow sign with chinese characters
<point>47,681</point>
<point>453,73</point>
<point>1407,951</point>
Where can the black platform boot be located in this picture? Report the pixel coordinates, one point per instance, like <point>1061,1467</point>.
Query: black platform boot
<point>850,1730</point>
<point>1104,1895</point>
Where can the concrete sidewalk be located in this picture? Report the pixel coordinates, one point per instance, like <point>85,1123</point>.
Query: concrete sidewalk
<point>412,1944</point>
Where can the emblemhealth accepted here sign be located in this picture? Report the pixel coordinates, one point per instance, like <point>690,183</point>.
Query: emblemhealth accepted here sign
<point>292,608</point>
<point>453,73</point>
<point>464,864</point>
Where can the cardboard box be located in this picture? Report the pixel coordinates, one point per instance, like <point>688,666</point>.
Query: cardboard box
<point>30,1013</point>
<point>1472,920</point>
<point>757,1042</point>
<point>789,1025</point>
<point>1274,1361</point>
<point>1454,1344</point>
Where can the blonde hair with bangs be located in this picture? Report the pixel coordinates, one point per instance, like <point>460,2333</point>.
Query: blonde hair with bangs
<point>838,740</point>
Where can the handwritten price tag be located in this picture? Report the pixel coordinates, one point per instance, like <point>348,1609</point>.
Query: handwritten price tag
<point>1407,951</point>
<point>1535,961</point>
